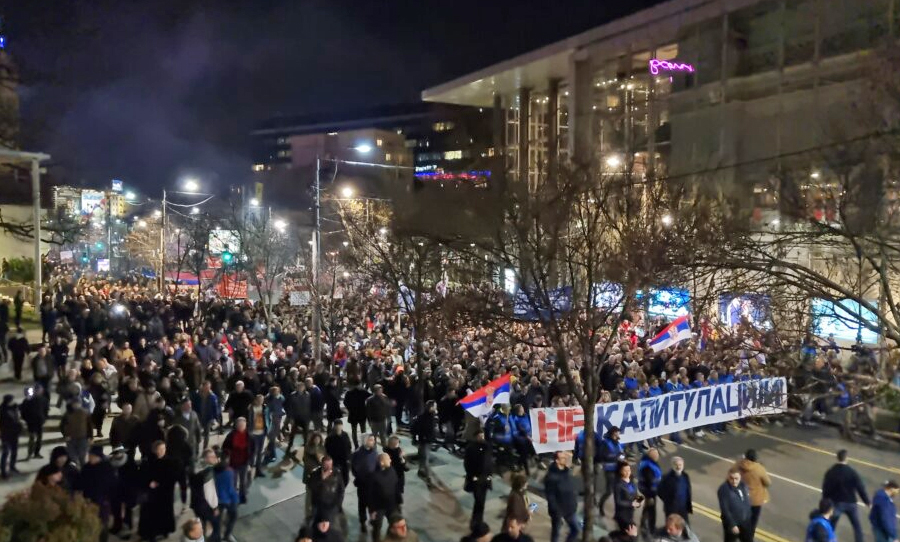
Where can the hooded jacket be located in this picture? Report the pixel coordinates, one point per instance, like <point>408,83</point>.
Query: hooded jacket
<point>754,475</point>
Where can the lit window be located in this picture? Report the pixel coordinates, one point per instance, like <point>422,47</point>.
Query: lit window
<point>490,151</point>
<point>332,133</point>
<point>282,140</point>
<point>453,155</point>
<point>442,126</point>
<point>379,142</point>
<point>387,157</point>
<point>259,167</point>
<point>284,153</point>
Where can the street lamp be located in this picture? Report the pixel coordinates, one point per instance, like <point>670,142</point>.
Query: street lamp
<point>254,202</point>
<point>157,213</point>
<point>363,148</point>
<point>191,185</point>
<point>667,220</point>
<point>195,210</point>
<point>613,161</point>
<point>130,196</point>
<point>347,192</point>
<point>280,225</point>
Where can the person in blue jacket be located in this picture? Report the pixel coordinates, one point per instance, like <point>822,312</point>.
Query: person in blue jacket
<point>521,431</point>
<point>499,429</point>
<point>649,476</point>
<point>820,528</point>
<point>610,452</point>
<point>883,515</point>
<point>228,499</point>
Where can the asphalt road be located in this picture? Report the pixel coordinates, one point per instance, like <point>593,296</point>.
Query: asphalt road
<point>796,459</point>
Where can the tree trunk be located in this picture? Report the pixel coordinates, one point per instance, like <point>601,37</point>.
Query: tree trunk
<point>587,474</point>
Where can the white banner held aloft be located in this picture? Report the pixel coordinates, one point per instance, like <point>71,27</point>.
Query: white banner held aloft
<point>554,429</point>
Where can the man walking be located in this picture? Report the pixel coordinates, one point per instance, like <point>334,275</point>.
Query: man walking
<point>355,401</point>
<point>754,475</point>
<point>649,477</point>
<point>479,466</point>
<point>562,498</point>
<point>378,410</point>
<point>610,453</point>
<point>363,463</point>
<point>734,505</point>
<point>383,495</point>
<point>238,447</point>
<point>675,491</point>
<point>206,405</point>
<point>337,446</point>
<point>34,411</point>
<point>841,486</point>
<point>883,515</point>
<point>188,419</point>
<point>423,431</point>
<point>10,429</point>
<point>78,429</point>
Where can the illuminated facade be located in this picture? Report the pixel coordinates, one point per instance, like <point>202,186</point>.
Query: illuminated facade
<point>733,93</point>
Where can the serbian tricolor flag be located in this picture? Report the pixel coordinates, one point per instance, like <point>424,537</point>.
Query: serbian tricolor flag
<point>479,402</point>
<point>674,333</point>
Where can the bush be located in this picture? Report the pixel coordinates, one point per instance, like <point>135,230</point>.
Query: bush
<point>21,269</point>
<point>48,514</point>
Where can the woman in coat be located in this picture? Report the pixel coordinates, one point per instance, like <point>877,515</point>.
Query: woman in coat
<point>626,496</point>
<point>517,504</point>
<point>157,474</point>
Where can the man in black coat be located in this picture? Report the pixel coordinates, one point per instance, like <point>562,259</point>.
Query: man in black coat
<point>298,407</point>
<point>479,465</point>
<point>842,485</point>
<point>734,505</point>
<point>337,446</point>
<point>562,497</point>
<point>675,491</point>
<point>355,401</point>
<point>18,348</point>
<point>423,431</point>
<point>10,428</point>
<point>97,482</point>
<point>383,494</point>
<point>34,411</point>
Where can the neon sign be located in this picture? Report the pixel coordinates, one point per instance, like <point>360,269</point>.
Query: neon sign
<point>657,65</point>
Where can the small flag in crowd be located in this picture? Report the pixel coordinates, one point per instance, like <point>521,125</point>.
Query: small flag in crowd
<point>479,402</point>
<point>679,330</point>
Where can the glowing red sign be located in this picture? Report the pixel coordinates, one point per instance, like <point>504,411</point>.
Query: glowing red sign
<point>657,65</point>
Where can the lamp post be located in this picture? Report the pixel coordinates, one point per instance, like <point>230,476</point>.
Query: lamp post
<point>190,187</point>
<point>362,148</point>
<point>35,159</point>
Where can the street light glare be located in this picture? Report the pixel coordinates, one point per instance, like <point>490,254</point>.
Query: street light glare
<point>667,219</point>
<point>363,148</point>
<point>157,213</point>
<point>613,161</point>
<point>280,225</point>
<point>254,202</point>
<point>347,192</point>
<point>191,185</point>
<point>142,224</point>
<point>130,196</point>
<point>195,210</point>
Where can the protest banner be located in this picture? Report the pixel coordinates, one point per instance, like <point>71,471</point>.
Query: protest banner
<point>554,429</point>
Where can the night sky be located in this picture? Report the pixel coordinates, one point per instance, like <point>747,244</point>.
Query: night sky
<point>150,91</point>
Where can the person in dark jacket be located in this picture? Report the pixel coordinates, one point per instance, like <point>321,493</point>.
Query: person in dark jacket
<point>10,429</point>
<point>383,495</point>
<point>398,463</point>
<point>123,431</point>
<point>363,463</point>
<point>626,497</point>
<point>562,497</point>
<point>327,488</point>
<point>34,411</point>
<point>337,446</point>
<point>204,499</point>
<point>883,515</point>
<point>59,459</point>
<point>97,482</point>
<point>820,528</point>
<point>355,401</point>
<point>18,348</point>
<point>479,466</point>
<point>238,403</point>
<point>124,497</point>
<point>299,409</point>
<point>734,505</point>
<point>423,431</point>
<point>649,478</point>
<point>158,475</point>
<point>841,485</point>
<point>675,491</point>
<point>378,413</point>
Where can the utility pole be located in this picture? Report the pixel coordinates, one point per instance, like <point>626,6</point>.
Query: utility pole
<point>317,249</point>
<point>162,246</point>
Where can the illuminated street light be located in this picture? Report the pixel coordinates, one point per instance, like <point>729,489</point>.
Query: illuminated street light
<point>347,192</point>
<point>191,185</point>
<point>346,243</point>
<point>814,174</point>
<point>280,225</point>
<point>130,196</point>
<point>195,210</point>
<point>667,219</point>
<point>157,213</point>
<point>363,148</point>
<point>383,231</point>
<point>254,202</point>
<point>142,224</point>
<point>346,274</point>
<point>613,161</point>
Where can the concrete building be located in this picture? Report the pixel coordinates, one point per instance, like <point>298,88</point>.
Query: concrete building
<point>433,143</point>
<point>739,94</point>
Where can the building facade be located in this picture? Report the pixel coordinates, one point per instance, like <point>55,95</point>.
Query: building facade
<point>734,93</point>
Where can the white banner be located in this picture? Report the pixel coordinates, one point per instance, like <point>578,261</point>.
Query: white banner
<point>555,429</point>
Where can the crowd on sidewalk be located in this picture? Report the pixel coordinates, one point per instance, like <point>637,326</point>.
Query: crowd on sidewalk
<point>178,375</point>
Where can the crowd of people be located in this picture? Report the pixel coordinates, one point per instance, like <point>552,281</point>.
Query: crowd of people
<point>204,396</point>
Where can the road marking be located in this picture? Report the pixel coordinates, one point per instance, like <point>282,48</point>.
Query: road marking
<point>765,536</point>
<point>892,470</point>
<point>771,474</point>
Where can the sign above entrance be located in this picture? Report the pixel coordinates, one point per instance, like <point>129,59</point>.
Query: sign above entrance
<point>657,65</point>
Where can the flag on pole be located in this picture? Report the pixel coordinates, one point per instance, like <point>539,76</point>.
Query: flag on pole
<point>679,330</point>
<point>479,402</point>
